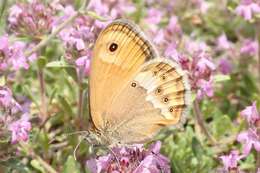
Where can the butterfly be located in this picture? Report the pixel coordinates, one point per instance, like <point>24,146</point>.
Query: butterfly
<point>133,92</point>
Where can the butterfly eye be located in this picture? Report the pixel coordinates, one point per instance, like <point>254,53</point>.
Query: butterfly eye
<point>133,84</point>
<point>113,47</point>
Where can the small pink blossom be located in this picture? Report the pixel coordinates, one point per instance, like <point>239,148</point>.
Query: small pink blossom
<point>250,47</point>
<point>203,5</point>
<point>84,61</point>
<point>159,38</point>
<point>250,113</point>
<point>154,16</point>
<point>173,26</point>
<point>131,159</point>
<point>20,128</point>
<point>251,138</point>
<point>247,9</point>
<point>205,87</point>
<point>13,54</point>
<point>225,65</point>
<point>230,161</point>
<point>223,43</point>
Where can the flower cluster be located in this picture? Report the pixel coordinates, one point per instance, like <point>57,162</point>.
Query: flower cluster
<point>13,54</point>
<point>251,137</point>
<point>248,8</point>
<point>192,54</point>
<point>134,159</point>
<point>10,112</point>
<point>31,19</point>
<point>79,36</point>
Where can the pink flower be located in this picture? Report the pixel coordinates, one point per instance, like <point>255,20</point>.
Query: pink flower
<point>230,161</point>
<point>205,87</point>
<point>223,43</point>
<point>250,47</point>
<point>20,128</point>
<point>250,113</point>
<point>202,63</point>
<point>12,54</point>
<point>31,19</point>
<point>252,139</point>
<point>159,38</point>
<point>173,25</point>
<point>84,61</point>
<point>224,65</point>
<point>132,159</point>
<point>154,16</point>
<point>171,51</point>
<point>203,5</point>
<point>247,9</point>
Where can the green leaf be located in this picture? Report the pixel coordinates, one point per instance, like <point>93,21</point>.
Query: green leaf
<point>36,165</point>
<point>14,164</point>
<point>2,80</point>
<point>65,105</point>
<point>44,140</point>
<point>53,93</point>
<point>96,16</point>
<point>41,62</point>
<point>196,147</point>
<point>221,78</point>
<point>71,71</point>
<point>58,64</point>
<point>57,119</point>
<point>71,165</point>
<point>221,124</point>
<point>2,8</point>
<point>30,95</point>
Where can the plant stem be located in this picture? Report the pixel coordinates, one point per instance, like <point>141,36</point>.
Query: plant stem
<point>78,123</point>
<point>257,35</point>
<point>43,103</point>
<point>36,157</point>
<point>201,123</point>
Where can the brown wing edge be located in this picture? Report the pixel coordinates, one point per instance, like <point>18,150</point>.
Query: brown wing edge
<point>185,80</point>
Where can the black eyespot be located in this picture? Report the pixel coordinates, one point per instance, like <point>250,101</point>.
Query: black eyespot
<point>159,90</point>
<point>163,77</point>
<point>165,99</point>
<point>155,73</point>
<point>171,109</point>
<point>113,47</point>
<point>133,84</point>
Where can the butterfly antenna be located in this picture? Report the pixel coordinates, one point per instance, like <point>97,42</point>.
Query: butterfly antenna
<point>77,146</point>
<point>69,134</point>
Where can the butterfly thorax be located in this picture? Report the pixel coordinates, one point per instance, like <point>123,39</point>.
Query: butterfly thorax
<point>101,138</point>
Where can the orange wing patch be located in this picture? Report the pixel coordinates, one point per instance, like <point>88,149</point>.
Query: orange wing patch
<point>167,88</point>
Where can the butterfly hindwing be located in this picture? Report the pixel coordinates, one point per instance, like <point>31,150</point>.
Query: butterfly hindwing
<point>157,96</point>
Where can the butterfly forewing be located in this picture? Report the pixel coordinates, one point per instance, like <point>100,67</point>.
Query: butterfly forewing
<point>119,51</point>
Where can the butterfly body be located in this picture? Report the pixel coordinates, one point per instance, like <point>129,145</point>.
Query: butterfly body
<point>133,92</point>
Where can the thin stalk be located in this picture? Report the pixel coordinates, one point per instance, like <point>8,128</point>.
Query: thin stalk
<point>36,157</point>
<point>78,123</point>
<point>201,123</point>
<point>257,35</point>
<point>42,88</point>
